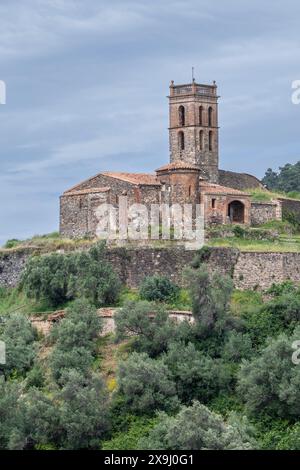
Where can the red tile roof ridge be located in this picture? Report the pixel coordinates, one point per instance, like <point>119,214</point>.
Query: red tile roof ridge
<point>217,188</point>
<point>179,165</point>
<point>148,179</point>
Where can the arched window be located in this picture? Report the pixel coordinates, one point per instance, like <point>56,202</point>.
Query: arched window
<point>201,139</point>
<point>210,140</point>
<point>181,140</point>
<point>210,113</point>
<point>181,115</point>
<point>190,191</point>
<point>200,115</point>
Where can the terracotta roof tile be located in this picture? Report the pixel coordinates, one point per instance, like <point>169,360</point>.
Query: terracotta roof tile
<point>218,189</point>
<point>71,192</point>
<point>134,178</point>
<point>178,165</point>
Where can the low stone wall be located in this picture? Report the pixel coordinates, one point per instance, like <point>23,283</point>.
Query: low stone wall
<point>44,325</point>
<point>263,212</point>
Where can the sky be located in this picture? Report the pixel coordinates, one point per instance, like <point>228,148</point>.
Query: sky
<point>86,86</point>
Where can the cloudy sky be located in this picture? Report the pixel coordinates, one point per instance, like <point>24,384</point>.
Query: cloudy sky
<point>87,83</point>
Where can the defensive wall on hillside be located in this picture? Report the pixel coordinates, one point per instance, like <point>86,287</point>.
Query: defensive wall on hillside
<point>249,270</point>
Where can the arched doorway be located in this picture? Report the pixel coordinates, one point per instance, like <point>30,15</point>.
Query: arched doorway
<point>236,212</point>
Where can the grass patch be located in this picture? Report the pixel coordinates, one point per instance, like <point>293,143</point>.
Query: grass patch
<point>126,295</point>
<point>244,299</point>
<point>182,302</point>
<point>48,242</point>
<point>263,195</point>
<point>284,244</point>
<point>14,300</point>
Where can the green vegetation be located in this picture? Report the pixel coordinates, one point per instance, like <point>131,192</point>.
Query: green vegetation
<point>199,428</point>
<point>48,242</point>
<point>20,340</point>
<point>282,244</point>
<point>287,179</point>
<point>58,278</point>
<point>158,288</point>
<point>226,380</point>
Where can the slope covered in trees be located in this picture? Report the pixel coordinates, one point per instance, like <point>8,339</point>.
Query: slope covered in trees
<point>227,381</point>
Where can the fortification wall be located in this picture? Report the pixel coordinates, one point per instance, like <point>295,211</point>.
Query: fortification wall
<point>261,270</point>
<point>249,270</point>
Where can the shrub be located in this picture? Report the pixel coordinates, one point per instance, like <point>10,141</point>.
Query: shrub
<point>83,413</point>
<point>46,277</point>
<point>12,243</point>
<point>75,339</point>
<point>290,439</point>
<point>58,278</point>
<point>198,428</point>
<point>151,325</point>
<point>286,287</point>
<point>270,383</point>
<point>146,385</point>
<point>73,417</point>
<point>239,231</point>
<point>237,346</point>
<point>94,277</point>
<point>196,376</point>
<point>20,342</point>
<point>11,418</point>
<point>129,438</point>
<point>210,301</point>
<point>158,288</point>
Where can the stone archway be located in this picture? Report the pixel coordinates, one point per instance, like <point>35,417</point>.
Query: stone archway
<point>236,212</point>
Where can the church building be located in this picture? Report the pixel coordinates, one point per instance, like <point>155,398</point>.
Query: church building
<point>192,175</point>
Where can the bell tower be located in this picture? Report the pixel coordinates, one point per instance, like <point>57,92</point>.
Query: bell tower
<point>193,127</point>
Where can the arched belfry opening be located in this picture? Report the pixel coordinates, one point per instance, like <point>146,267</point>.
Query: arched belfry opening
<point>236,212</point>
<point>181,116</point>
<point>181,140</point>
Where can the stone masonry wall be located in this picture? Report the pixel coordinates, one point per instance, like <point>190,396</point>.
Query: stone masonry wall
<point>249,270</point>
<point>290,206</point>
<point>263,212</point>
<point>261,270</point>
<point>12,264</point>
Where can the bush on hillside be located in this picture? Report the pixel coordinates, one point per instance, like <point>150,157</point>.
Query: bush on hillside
<point>58,278</point>
<point>197,428</point>
<point>269,384</point>
<point>20,343</point>
<point>158,288</point>
<point>151,326</point>
<point>146,385</point>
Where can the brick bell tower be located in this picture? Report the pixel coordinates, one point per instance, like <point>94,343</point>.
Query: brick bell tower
<point>193,131</point>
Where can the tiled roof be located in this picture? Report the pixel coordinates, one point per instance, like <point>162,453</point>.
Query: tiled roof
<point>218,189</point>
<point>86,191</point>
<point>178,166</point>
<point>134,178</point>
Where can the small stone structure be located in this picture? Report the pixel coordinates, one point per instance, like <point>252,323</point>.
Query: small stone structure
<point>44,325</point>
